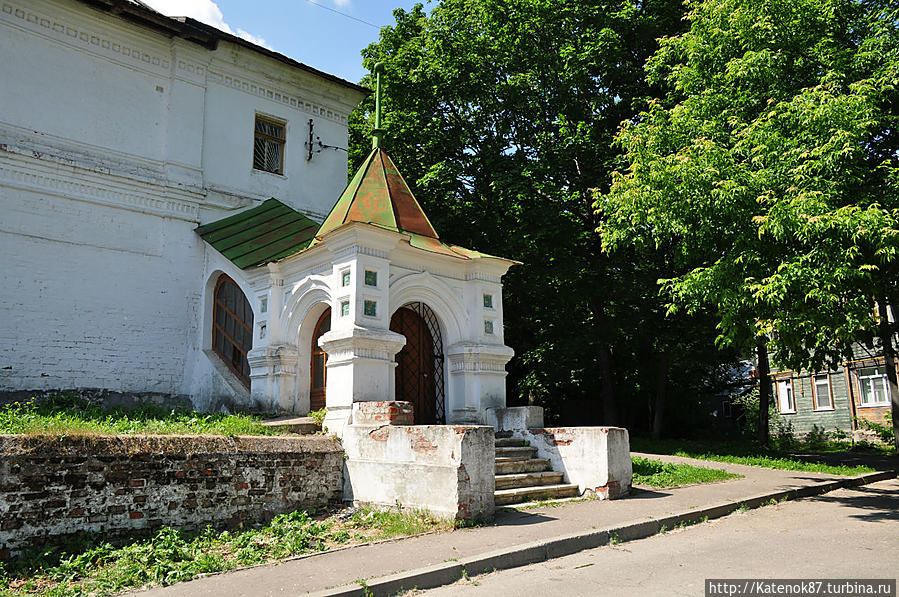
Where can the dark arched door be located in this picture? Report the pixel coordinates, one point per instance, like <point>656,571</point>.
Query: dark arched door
<point>419,369</point>
<point>317,369</point>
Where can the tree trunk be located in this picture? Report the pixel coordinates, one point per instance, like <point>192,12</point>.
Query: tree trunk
<point>661,386</point>
<point>889,356</point>
<point>607,386</point>
<point>764,392</point>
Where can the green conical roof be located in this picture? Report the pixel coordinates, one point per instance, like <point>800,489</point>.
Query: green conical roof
<point>378,195</point>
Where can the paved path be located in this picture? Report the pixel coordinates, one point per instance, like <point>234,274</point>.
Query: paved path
<point>848,533</point>
<point>512,528</point>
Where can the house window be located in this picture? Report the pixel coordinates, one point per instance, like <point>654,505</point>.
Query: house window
<point>345,278</point>
<point>371,278</point>
<point>488,301</point>
<point>785,402</point>
<point>344,308</point>
<point>873,389</point>
<point>268,146</point>
<point>370,308</point>
<point>823,399</point>
<point>232,328</point>
<point>488,326</point>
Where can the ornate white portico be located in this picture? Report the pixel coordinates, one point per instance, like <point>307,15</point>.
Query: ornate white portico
<point>369,306</point>
<point>365,274</point>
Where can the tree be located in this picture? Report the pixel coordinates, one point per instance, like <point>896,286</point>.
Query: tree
<point>501,115</point>
<point>772,166</point>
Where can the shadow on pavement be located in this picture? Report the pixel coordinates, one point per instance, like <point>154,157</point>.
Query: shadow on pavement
<point>511,517</point>
<point>880,504</point>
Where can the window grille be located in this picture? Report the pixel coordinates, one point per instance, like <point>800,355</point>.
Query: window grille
<point>268,146</point>
<point>232,328</point>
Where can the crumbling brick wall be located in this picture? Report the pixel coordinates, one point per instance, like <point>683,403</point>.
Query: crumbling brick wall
<point>52,488</point>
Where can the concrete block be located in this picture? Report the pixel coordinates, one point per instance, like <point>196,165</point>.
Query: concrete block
<point>445,469</point>
<point>515,418</point>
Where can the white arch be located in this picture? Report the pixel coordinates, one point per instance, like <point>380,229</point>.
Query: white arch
<point>435,293</point>
<point>310,292</point>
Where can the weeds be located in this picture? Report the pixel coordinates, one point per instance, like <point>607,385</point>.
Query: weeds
<point>93,566</point>
<point>68,414</point>
<point>666,474</point>
<point>736,453</point>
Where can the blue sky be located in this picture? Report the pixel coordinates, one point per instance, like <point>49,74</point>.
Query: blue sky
<point>307,33</point>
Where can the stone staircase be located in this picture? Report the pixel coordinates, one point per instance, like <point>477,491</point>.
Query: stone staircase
<point>522,477</point>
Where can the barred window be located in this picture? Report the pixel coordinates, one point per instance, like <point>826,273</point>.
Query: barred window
<point>232,328</point>
<point>268,146</point>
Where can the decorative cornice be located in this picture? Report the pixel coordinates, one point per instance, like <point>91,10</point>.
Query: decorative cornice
<point>136,54</point>
<point>136,195</point>
<point>359,249</point>
<point>89,38</point>
<point>270,92</point>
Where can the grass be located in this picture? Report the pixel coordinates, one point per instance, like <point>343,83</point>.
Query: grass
<point>666,474</point>
<point>737,453</point>
<point>95,567</point>
<point>68,414</point>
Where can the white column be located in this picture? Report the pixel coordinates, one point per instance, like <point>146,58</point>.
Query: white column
<point>360,345</point>
<point>273,364</point>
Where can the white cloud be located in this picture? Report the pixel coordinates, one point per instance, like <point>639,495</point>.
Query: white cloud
<point>206,11</point>
<point>341,3</point>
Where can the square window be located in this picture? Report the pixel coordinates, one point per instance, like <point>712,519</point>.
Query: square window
<point>488,326</point>
<point>371,278</point>
<point>370,308</point>
<point>263,304</point>
<point>344,308</point>
<point>488,301</point>
<point>872,382</point>
<point>345,278</point>
<point>268,146</point>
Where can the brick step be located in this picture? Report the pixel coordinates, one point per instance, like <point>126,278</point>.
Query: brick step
<point>516,452</point>
<point>509,442</point>
<point>516,480</point>
<point>504,497</point>
<point>301,425</point>
<point>507,466</point>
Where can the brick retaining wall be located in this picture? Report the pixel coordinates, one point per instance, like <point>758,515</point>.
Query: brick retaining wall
<point>52,488</point>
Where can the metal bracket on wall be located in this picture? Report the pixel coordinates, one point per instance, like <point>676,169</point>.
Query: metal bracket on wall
<point>315,141</point>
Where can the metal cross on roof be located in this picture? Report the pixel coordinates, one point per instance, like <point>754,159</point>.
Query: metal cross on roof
<point>377,133</point>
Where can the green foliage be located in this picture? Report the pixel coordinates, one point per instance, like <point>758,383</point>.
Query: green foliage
<point>318,416</point>
<point>741,453</point>
<point>884,431</point>
<point>68,414</point>
<point>91,566</point>
<point>501,116</point>
<point>666,474</point>
<point>770,173</point>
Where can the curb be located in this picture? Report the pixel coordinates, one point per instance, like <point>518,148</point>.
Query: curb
<point>547,549</point>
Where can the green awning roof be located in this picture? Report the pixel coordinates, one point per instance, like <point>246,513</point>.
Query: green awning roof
<point>268,232</point>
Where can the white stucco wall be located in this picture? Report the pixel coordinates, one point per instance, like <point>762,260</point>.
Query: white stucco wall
<point>115,142</point>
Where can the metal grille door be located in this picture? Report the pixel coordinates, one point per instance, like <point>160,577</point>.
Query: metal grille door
<point>419,371</point>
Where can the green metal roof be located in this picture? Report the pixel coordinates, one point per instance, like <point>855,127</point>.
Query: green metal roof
<point>378,195</point>
<point>268,232</point>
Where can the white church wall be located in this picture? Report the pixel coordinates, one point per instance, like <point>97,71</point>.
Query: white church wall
<point>94,296</point>
<point>115,142</point>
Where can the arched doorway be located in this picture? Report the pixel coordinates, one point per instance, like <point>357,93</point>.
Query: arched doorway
<point>419,370</point>
<point>318,373</point>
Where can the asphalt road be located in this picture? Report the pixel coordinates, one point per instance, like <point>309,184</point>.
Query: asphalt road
<point>843,534</point>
